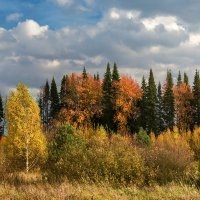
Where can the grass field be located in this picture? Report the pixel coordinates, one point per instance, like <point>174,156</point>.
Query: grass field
<point>67,190</point>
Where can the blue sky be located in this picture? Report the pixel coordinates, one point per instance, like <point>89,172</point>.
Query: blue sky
<point>44,38</point>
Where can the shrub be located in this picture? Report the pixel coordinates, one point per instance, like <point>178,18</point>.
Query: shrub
<point>170,157</point>
<point>143,138</point>
<point>98,159</point>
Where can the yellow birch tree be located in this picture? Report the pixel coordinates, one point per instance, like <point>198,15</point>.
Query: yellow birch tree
<point>25,144</point>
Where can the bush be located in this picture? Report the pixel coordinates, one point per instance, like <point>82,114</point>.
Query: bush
<point>170,158</point>
<point>143,138</point>
<point>98,159</point>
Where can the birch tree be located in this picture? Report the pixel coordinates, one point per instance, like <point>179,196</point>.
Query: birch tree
<point>26,144</point>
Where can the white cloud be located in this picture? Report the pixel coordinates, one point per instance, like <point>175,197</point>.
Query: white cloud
<point>14,17</point>
<point>31,53</point>
<point>53,64</point>
<point>114,15</point>
<point>29,28</point>
<point>64,2</point>
<point>170,23</point>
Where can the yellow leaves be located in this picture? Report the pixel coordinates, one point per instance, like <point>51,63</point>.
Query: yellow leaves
<point>23,121</point>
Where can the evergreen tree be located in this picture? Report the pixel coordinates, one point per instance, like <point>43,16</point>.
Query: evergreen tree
<point>151,109</point>
<point>168,102</point>
<point>54,99</point>
<point>143,104</point>
<point>115,73</point>
<point>63,90</point>
<point>1,117</point>
<point>97,77</point>
<point>159,111</point>
<point>114,92</point>
<point>44,105</point>
<point>179,80</point>
<point>84,73</point>
<point>186,80</point>
<point>196,100</point>
<point>107,100</point>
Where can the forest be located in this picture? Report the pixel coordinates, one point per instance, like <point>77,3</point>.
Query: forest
<point>110,138</point>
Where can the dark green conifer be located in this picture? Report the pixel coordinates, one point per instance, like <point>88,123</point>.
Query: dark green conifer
<point>169,102</point>
<point>54,99</point>
<point>186,80</point>
<point>1,117</point>
<point>63,89</point>
<point>151,109</point>
<point>115,73</point>
<point>179,80</point>
<point>143,104</point>
<point>107,100</point>
<point>84,74</point>
<point>97,77</point>
<point>196,100</point>
<point>159,112</point>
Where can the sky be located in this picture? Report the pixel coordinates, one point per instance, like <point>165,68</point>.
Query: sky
<point>40,39</point>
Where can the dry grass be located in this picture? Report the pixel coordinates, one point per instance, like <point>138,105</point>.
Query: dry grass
<point>32,187</point>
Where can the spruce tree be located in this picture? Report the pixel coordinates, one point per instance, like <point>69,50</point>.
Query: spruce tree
<point>115,73</point>
<point>1,117</point>
<point>186,80</point>
<point>54,99</point>
<point>114,92</point>
<point>196,100</point>
<point>179,80</point>
<point>143,104</point>
<point>44,105</point>
<point>97,77</point>
<point>151,109</point>
<point>63,90</point>
<point>169,102</point>
<point>84,73</point>
<point>107,100</point>
<point>159,111</point>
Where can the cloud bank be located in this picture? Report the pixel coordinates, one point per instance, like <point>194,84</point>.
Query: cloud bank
<point>31,52</point>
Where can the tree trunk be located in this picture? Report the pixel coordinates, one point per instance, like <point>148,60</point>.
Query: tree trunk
<point>27,157</point>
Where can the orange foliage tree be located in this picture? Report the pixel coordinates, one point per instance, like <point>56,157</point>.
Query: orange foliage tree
<point>82,100</point>
<point>129,92</point>
<point>183,101</point>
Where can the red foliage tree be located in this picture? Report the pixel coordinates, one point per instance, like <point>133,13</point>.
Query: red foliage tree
<point>183,101</point>
<point>129,92</point>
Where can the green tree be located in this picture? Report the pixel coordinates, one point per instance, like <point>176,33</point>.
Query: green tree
<point>186,80</point>
<point>143,104</point>
<point>97,77</point>
<point>168,102</point>
<point>115,73</point>
<point>84,73</point>
<point>44,105</point>
<point>179,80</point>
<point>151,109</point>
<point>107,100</point>
<point>55,103</point>
<point>196,100</point>
<point>25,144</point>
<point>1,117</point>
<point>159,111</point>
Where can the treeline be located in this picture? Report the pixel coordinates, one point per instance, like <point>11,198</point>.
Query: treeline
<point>86,154</point>
<point>120,104</point>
